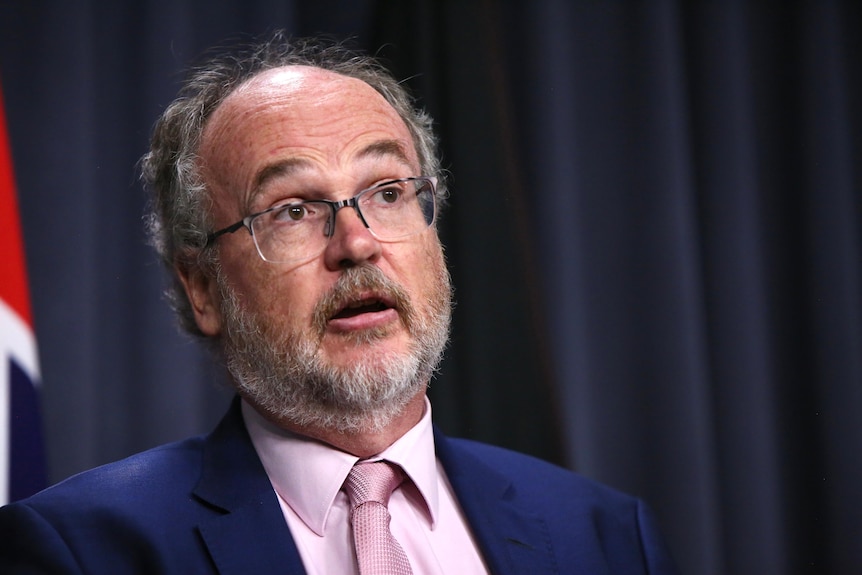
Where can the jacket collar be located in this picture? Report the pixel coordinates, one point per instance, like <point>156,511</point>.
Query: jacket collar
<point>233,481</point>
<point>513,540</point>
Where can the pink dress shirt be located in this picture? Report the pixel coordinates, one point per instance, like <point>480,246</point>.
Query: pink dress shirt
<point>307,475</point>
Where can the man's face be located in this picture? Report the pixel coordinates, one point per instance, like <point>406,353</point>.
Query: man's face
<point>356,330</point>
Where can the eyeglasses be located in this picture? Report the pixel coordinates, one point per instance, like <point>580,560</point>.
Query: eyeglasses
<point>393,210</point>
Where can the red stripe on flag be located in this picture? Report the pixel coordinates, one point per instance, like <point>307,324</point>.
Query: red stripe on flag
<point>13,287</point>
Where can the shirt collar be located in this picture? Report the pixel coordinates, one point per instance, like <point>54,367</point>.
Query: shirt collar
<point>308,474</point>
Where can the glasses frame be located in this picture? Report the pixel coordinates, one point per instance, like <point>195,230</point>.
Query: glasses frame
<point>334,206</point>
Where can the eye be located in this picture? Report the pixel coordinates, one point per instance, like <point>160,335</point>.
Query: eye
<point>292,213</point>
<point>389,195</point>
<point>296,212</point>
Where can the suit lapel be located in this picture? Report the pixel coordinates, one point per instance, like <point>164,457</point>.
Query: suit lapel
<point>513,540</point>
<point>233,480</point>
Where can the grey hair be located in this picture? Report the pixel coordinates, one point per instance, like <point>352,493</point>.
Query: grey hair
<point>179,206</point>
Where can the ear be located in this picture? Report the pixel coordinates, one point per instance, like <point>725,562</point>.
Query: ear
<point>203,294</point>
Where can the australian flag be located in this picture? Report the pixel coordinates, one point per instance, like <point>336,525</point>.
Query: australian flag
<point>22,461</point>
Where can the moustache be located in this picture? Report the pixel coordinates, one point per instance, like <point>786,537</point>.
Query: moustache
<point>362,282</point>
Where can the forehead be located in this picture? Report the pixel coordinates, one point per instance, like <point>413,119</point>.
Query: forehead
<point>299,85</point>
<point>301,109</point>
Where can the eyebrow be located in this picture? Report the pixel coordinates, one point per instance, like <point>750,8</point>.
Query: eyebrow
<point>279,169</point>
<point>383,148</point>
<point>283,168</point>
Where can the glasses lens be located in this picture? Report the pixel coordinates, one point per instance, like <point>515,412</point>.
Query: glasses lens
<point>292,232</point>
<point>393,211</point>
<point>399,209</point>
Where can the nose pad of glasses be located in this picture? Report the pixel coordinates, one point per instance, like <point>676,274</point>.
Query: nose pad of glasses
<point>329,227</point>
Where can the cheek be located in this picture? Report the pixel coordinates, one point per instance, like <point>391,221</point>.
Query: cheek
<point>267,290</point>
<point>289,296</point>
<point>419,264</point>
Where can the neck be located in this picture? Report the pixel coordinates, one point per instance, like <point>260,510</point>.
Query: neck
<point>362,443</point>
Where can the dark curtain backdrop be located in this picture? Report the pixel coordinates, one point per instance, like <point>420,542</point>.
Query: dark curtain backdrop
<point>654,234</point>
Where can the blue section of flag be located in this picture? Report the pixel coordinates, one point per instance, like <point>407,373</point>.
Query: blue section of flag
<point>26,455</point>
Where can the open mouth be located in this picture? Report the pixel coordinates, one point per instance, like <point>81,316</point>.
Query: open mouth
<point>362,306</point>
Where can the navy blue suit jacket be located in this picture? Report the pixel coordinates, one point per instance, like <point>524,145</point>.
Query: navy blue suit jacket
<point>205,506</point>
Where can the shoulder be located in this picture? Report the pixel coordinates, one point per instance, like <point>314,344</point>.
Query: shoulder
<point>529,474</point>
<point>123,517</point>
<point>585,522</point>
<point>162,473</point>
<point>559,495</point>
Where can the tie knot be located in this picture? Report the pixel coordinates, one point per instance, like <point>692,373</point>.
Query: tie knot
<point>372,482</point>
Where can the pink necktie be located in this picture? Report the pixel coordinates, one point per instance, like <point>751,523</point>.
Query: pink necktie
<point>369,486</point>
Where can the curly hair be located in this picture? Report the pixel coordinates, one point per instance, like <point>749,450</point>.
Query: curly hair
<point>178,218</point>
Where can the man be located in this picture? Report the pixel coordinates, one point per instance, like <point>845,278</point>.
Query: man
<point>295,190</point>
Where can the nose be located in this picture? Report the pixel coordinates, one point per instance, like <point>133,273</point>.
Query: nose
<point>352,243</point>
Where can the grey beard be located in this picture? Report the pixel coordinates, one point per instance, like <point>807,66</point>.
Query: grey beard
<point>284,374</point>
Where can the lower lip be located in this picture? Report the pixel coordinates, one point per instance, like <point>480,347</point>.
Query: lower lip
<point>364,321</point>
